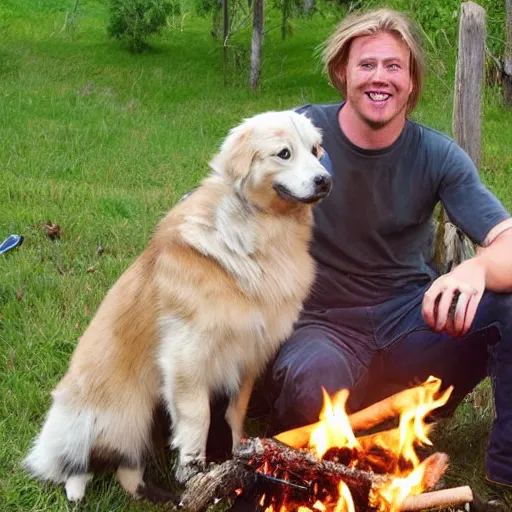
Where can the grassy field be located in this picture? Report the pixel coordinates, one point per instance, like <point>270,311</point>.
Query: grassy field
<point>102,143</point>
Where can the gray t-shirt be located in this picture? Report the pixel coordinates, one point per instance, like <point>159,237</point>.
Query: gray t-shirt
<point>372,231</point>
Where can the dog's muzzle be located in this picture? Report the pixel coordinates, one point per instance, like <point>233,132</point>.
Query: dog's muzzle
<point>323,185</point>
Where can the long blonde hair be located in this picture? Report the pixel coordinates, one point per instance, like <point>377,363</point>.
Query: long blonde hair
<point>337,47</point>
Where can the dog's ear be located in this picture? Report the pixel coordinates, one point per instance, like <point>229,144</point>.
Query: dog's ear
<point>236,154</point>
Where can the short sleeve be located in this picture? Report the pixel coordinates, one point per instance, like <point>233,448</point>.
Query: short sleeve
<point>303,109</point>
<point>469,204</point>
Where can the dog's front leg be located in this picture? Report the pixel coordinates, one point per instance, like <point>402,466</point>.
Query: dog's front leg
<point>235,413</point>
<point>190,411</point>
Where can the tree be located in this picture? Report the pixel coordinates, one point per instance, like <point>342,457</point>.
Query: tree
<point>257,40</point>
<point>507,60</point>
<point>225,34</point>
<point>135,20</point>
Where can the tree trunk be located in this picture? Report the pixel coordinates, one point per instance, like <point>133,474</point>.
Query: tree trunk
<point>507,68</point>
<point>256,43</point>
<point>469,75</point>
<point>225,35</point>
<point>285,12</point>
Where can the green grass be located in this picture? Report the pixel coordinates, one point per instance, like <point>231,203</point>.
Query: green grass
<point>102,143</point>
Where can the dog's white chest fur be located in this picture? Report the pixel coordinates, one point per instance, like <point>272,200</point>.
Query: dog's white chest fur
<point>218,356</point>
<point>264,285</point>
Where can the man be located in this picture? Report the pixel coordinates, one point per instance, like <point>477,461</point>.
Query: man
<point>378,313</point>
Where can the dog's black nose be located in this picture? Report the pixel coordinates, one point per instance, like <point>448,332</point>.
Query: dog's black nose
<point>323,183</point>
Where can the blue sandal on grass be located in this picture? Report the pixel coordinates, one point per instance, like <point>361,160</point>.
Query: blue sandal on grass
<point>11,242</point>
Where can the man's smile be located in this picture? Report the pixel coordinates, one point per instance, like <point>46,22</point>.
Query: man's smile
<point>378,96</point>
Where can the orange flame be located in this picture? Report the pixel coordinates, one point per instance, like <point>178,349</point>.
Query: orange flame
<point>390,496</point>
<point>334,427</point>
<point>345,502</point>
<point>334,430</point>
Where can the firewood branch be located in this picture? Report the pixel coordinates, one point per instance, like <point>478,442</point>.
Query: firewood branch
<point>219,483</point>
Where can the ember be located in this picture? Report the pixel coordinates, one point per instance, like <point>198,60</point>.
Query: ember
<point>327,467</point>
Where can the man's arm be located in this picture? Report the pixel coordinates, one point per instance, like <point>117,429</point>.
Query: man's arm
<point>450,304</point>
<point>496,257</point>
<point>490,269</point>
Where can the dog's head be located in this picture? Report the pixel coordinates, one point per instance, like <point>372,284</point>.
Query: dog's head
<point>273,158</point>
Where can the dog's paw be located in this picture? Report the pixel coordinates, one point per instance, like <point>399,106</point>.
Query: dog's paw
<point>186,470</point>
<point>75,487</point>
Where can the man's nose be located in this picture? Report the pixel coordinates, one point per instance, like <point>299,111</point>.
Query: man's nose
<point>379,74</point>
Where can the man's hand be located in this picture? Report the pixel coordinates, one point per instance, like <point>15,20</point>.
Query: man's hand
<point>464,287</point>
<point>490,269</point>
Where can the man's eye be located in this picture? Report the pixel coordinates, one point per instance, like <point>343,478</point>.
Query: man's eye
<point>394,66</point>
<point>284,154</point>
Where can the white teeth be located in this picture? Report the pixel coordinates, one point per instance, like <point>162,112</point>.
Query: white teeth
<point>378,97</point>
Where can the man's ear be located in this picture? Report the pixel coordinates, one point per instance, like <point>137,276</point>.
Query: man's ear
<point>236,154</point>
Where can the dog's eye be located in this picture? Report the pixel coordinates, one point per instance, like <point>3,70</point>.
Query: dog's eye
<point>315,151</point>
<point>284,154</point>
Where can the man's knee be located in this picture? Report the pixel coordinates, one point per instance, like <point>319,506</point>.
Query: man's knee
<point>300,371</point>
<point>495,316</point>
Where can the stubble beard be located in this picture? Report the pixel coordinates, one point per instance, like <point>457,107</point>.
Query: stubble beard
<point>379,125</point>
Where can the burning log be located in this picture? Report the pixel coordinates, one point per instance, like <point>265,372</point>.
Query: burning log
<point>318,478</point>
<point>219,483</point>
<point>273,473</point>
<point>255,452</point>
<point>396,404</point>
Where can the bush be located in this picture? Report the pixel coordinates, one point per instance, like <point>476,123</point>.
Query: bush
<point>135,20</point>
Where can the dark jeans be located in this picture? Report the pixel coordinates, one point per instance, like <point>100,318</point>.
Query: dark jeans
<point>370,349</point>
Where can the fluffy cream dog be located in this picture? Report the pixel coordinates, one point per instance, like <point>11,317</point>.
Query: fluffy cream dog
<point>202,310</point>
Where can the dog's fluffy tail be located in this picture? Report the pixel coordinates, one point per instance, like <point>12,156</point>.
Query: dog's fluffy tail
<point>63,446</point>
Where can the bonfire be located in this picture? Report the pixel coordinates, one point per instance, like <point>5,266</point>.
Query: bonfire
<point>335,465</point>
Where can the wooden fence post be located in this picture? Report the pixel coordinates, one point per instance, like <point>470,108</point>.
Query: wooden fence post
<point>469,75</point>
<point>450,248</point>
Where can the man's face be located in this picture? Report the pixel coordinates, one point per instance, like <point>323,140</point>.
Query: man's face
<point>378,78</point>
